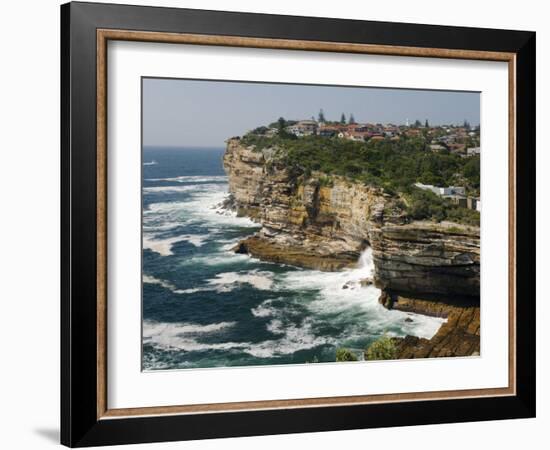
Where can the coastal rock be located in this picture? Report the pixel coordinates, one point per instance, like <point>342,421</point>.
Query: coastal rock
<point>427,258</point>
<point>318,256</point>
<point>458,336</point>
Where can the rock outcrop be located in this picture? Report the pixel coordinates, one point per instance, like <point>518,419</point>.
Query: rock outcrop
<point>313,254</point>
<point>326,222</point>
<point>427,258</point>
<point>311,216</point>
<point>458,336</point>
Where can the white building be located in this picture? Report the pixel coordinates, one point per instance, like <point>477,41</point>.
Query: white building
<point>428,187</point>
<point>455,190</point>
<point>303,128</point>
<point>443,191</point>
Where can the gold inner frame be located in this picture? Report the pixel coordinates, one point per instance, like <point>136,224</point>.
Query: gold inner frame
<point>104,35</point>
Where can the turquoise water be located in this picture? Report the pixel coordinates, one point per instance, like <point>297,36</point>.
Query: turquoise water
<point>205,306</point>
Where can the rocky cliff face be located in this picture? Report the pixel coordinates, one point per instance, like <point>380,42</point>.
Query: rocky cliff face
<point>324,223</point>
<point>427,258</point>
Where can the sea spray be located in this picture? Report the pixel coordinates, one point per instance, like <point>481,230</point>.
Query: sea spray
<point>366,262</point>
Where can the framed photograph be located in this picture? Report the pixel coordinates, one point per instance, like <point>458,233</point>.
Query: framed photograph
<point>276,224</point>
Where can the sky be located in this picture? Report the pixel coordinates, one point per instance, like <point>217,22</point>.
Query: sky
<point>198,113</point>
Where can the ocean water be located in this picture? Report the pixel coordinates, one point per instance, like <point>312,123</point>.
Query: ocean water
<point>205,306</point>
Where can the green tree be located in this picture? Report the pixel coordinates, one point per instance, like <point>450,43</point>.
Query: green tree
<point>427,125</point>
<point>259,130</point>
<point>417,123</point>
<point>383,348</point>
<point>351,119</point>
<point>281,124</point>
<point>343,118</point>
<point>321,117</point>
<point>344,354</point>
<point>471,171</point>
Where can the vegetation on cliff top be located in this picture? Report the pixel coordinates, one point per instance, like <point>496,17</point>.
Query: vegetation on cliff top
<point>392,165</point>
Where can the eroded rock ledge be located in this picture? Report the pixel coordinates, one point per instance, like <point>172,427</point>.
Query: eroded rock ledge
<point>286,250</point>
<point>458,336</point>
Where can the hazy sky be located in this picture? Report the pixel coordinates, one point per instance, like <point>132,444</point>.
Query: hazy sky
<point>187,113</point>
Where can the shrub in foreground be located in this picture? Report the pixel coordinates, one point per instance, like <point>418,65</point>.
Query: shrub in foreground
<point>383,348</point>
<point>344,354</point>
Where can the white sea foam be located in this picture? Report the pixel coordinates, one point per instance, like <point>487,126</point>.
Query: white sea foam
<point>159,228</point>
<point>229,245</point>
<point>208,208</point>
<point>421,326</point>
<point>150,163</point>
<point>168,189</point>
<point>224,282</point>
<point>161,246</point>
<point>217,259</point>
<point>293,338</point>
<point>179,335</point>
<point>228,281</point>
<point>338,290</point>
<point>156,209</point>
<point>152,328</point>
<point>276,326</point>
<point>203,206</point>
<point>356,307</point>
<point>193,179</point>
<point>196,239</point>
<point>190,290</point>
<point>264,309</point>
<point>186,337</point>
<point>167,285</point>
<point>365,265</point>
<point>341,295</point>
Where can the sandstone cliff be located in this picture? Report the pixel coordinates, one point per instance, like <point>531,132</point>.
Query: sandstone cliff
<point>325,222</point>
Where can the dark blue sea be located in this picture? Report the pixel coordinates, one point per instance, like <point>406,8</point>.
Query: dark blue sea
<point>205,306</point>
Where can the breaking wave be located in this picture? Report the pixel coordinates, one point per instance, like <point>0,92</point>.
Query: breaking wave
<point>161,246</point>
<point>193,179</point>
<point>187,337</point>
<point>343,296</point>
<point>264,309</point>
<point>228,281</point>
<point>180,336</point>
<point>167,285</point>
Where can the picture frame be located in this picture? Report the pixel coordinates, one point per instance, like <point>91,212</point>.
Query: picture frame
<point>86,418</point>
